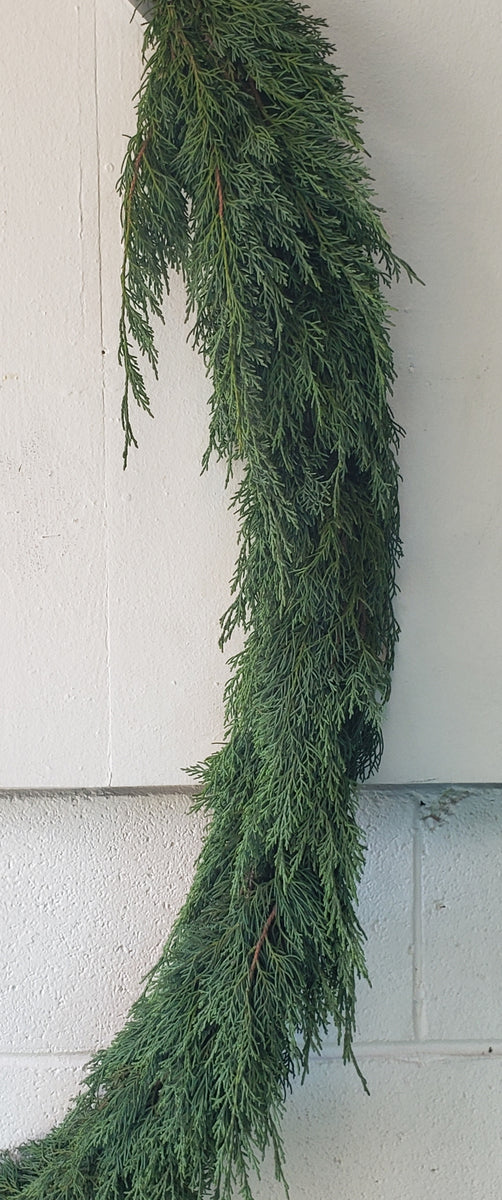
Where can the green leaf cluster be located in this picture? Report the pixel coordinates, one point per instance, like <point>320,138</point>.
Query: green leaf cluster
<point>246,174</point>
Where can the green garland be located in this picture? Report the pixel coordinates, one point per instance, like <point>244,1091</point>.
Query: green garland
<point>246,175</point>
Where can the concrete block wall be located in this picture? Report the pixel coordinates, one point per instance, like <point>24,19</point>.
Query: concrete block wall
<point>92,882</point>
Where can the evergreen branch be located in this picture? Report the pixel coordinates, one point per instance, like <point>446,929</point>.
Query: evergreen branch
<point>133,378</point>
<point>132,187</point>
<point>246,174</point>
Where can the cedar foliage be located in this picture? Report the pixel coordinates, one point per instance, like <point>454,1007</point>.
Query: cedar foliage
<point>246,175</point>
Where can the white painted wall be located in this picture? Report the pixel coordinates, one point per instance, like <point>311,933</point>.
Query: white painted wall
<point>91,884</point>
<point>113,584</point>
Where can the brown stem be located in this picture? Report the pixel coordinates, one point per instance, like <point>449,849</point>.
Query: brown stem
<point>137,164</point>
<point>262,938</point>
<point>220,191</point>
<point>256,97</point>
<point>130,194</point>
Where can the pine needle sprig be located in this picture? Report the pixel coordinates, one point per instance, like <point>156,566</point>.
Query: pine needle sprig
<point>247,176</point>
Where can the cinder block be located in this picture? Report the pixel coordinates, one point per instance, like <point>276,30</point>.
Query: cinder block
<point>430,1130</point>
<point>462,914</point>
<point>93,883</point>
<point>384,1011</point>
<point>90,888</point>
<point>35,1095</point>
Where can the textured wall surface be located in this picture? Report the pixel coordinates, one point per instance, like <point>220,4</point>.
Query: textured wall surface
<point>112,584</point>
<point>91,884</point>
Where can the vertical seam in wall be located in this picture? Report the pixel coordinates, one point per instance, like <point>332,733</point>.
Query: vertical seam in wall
<point>109,749</point>
<point>82,297</point>
<point>418,983</point>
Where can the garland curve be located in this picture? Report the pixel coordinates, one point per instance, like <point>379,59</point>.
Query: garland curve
<point>246,175</point>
